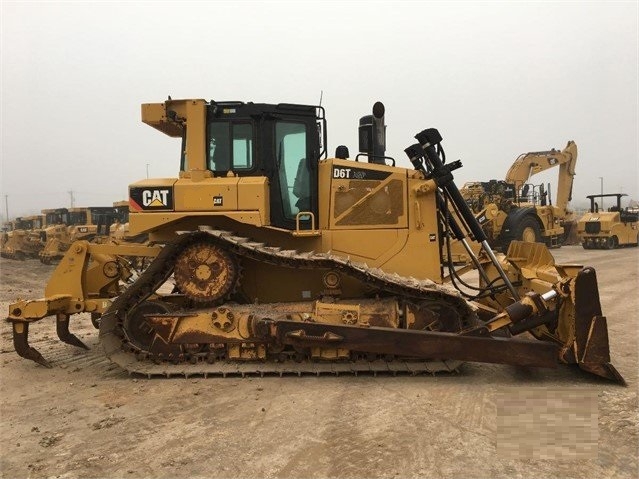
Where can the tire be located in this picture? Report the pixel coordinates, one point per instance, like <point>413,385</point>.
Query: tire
<point>528,230</point>
<point>527,227</point>
<point>610,242</point>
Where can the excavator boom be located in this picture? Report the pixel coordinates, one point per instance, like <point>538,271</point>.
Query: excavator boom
<point>530,164</point>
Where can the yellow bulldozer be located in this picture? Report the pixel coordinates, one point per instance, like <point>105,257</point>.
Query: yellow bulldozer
<point>6,232</point>
<point>608,229</point>
<point>24,240</point>
<point>76,224</point>
<point>526,211</point>
<point>119,231</point>
<point>120,228</point>
<point>56,225</point>
<point>270,257</point>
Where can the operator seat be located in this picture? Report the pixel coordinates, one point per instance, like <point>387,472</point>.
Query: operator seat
<point>302,186</point>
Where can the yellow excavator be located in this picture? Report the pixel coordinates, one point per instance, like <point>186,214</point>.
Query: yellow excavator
<point>526,212</point>
<point>269,257</point>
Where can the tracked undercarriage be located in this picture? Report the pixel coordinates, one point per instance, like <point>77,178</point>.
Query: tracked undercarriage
<point>150,334</point>
<point>355,319</point>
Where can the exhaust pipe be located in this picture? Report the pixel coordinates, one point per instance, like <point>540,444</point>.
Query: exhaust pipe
<point>372,135</point>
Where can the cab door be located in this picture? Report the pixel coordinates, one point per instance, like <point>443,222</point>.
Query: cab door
<point>294,151</point>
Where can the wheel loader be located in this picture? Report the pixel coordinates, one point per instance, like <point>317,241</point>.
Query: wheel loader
<point>608,229</point>
<point>270,257</point>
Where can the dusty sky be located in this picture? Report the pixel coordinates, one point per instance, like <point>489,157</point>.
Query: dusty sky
<point>497,80</point>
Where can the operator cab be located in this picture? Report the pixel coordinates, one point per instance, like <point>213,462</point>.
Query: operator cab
<point>282,142</point>
<point>250,149</point>
<point>58,216</point>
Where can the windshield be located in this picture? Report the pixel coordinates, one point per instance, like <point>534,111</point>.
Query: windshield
<point>55,218</point>
<point>122,214</point>
<point>78,217</point>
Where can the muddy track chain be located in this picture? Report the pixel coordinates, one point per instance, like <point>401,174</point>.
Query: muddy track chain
<point>119,350</point>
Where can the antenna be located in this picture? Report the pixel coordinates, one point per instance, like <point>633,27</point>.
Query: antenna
<point>321,96</point>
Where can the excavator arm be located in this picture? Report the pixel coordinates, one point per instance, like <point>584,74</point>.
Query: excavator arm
<point>529,164</point>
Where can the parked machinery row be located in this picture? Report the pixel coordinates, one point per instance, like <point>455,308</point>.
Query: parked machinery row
<point>516,209</point>
<point>47,236</point>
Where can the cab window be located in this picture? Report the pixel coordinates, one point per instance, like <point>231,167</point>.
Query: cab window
<point>184,164</point>
<point>293,168</point>
<point>230,146</point>
<point>78,217</point>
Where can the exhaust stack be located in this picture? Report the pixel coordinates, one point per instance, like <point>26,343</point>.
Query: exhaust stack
<point>372,134</point>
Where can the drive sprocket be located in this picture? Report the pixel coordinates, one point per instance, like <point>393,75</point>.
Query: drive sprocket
<point>206,273</point>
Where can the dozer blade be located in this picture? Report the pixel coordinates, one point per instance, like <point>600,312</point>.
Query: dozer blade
<point>21,344</point>
<point>591,349</point>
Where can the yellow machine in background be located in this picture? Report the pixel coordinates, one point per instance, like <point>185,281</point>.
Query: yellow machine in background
<point>78,224</point>
<point>608,229</point>
<point>283,260</point>
<point>24,241</point>
<point>526,211</point>
<point>120,228</point>
<point>57,221</point>
<point>6,232</point>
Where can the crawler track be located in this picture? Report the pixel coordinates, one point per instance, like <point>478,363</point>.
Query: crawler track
<point>119,350</point>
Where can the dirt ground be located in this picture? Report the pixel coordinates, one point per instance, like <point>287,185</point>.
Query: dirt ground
<point>87,418</point>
